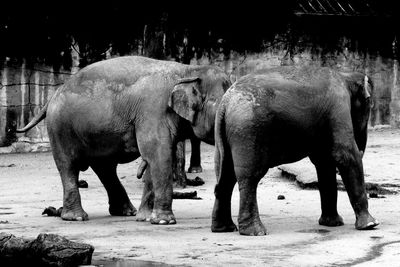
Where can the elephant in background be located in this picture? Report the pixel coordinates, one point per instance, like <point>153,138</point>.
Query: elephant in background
<point>282,115</point>
<point>116,110</point>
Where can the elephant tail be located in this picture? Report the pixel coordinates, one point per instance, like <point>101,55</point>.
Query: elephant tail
<point>222,155</point>
<point>38,118</point>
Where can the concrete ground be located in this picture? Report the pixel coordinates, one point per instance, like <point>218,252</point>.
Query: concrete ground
<point>30,182</point>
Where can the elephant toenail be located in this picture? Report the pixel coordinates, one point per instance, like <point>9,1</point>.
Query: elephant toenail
<point>162,222</point>
<point>172,222</point>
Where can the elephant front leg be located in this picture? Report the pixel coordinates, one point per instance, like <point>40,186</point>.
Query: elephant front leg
<point>158,182</point>
<point>161,176</point>
<point>351,169</point>
<point>326,172</point>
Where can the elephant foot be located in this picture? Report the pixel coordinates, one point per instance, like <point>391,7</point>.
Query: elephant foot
<point>366,222</point>
<point>143,215</point>
<point>162,217</point>
<point>255,228</point>
<point>221,227</point>
<point>126,209</point>
<point>74,215</point>
<point>335,220</point>
<point>195,169</point>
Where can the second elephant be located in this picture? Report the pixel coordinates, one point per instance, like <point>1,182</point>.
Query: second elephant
<point>281,116</point>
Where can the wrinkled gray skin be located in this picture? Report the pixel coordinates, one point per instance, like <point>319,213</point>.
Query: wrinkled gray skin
<point>116,110</point>
<point>195,156</point>
<point>281,116</point>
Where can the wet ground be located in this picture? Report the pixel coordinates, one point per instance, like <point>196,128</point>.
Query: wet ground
<point>30,182</point>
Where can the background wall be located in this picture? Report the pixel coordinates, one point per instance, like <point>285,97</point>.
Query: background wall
<point>43,45</point>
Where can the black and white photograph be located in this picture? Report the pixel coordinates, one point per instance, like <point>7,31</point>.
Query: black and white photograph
<point>137,133</point>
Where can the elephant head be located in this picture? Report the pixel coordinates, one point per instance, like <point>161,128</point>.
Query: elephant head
<point>196,99</point>
<point>360,88</point>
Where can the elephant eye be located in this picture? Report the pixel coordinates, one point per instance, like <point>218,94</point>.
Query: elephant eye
<point>194,91</point>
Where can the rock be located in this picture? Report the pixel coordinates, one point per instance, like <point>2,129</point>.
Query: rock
<point>6,150</point>
<point>302,171</point>
<point>57,250</point>
<point>51,211</point>
<point>305,175</point>
<point>380,127</point>
<point>373,195</point>
<point>195,182</point>
<point>45,250</point>
<point>281,197</point>
<point>185,195</point>
<point>7,165</point>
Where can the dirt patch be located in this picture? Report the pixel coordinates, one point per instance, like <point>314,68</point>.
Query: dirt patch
<point>294,239</point>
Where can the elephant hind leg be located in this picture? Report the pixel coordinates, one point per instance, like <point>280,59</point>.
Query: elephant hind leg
<point>250,166</point>
<point>326,172</point>
<point>349,162</point>
<point>119,202</point>
<point>69,172</point>
<point>222,214</point>
<point>147,203</point>
<point>249,218</point>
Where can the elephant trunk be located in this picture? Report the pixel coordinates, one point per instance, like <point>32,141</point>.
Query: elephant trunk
<point>205,122</point>
<point>360,128</point>
<point>361,140</point>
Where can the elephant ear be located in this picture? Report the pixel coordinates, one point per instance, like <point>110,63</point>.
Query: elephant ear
<point>185,98</point>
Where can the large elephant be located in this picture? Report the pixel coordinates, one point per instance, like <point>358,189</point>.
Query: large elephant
<point>116,110</point>
<point>281,116</point>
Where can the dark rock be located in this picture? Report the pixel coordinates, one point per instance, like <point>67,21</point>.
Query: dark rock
<point>45,250</point>
<point>7,165</point>
<point>83,184</point>
<point>51,211</point>
<point>281,197</point>
<point>373,195</point>
<point>185,195</point>
<point>195,182</point>
<point>56,250</point>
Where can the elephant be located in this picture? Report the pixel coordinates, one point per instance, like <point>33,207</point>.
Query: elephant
<point>195,156</point>
<point>116,110</point>
<point>280,116</point>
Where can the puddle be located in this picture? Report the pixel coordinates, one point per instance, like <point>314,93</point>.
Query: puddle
<point>316,231</point>
<point>129,263</point>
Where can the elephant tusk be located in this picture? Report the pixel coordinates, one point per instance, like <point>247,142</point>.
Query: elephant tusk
<point>141,169</point>
<point>366,93</point>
